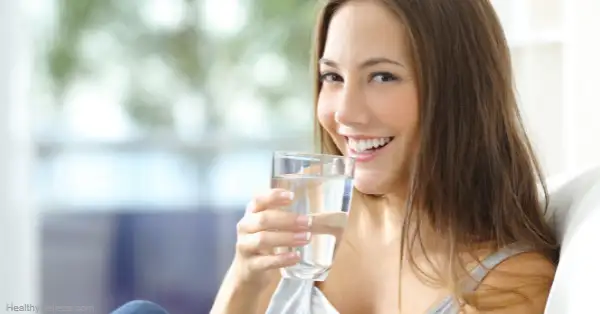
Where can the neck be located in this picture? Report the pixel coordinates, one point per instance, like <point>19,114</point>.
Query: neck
<point>384,216</point>
<point>382,206</point>
<point>377,218</point>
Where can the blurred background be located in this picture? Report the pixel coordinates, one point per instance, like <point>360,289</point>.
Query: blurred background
<point>134,132</point>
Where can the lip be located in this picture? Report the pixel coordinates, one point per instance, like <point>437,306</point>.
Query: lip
<point>367,155</point>
<point>362,137</point>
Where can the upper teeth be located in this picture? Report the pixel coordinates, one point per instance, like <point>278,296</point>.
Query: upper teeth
<point>365,144</point>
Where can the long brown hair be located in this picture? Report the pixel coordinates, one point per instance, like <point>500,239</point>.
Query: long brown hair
<point>475,173</point>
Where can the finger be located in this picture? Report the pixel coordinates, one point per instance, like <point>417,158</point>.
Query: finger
<point>273,198</point>
<point>266,262</point>
<point>273,220</point>
<point>257,243</point>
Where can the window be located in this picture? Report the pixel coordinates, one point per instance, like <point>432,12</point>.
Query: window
<point>166,102</point>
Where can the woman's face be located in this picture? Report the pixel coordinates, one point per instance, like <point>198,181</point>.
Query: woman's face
<point>368,101</point>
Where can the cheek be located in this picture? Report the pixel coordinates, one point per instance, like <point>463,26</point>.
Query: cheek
<point>398,110</point>
<point>325,115</point>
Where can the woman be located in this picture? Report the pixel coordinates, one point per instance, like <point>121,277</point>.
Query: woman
<point>447,216</point>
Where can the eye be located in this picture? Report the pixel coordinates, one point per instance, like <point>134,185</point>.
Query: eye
<point>330,77</point>
<point>383,77</point>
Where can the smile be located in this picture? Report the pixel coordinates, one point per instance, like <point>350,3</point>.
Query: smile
<point>365,149</point>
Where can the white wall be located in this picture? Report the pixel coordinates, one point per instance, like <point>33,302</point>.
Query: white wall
<point>556,56</point>
<point>582,79</point>
<point>18,230</point>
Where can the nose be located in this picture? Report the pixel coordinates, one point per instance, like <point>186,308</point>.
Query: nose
<point>352,109</point>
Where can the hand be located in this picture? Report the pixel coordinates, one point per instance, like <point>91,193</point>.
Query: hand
<point>262,229</point>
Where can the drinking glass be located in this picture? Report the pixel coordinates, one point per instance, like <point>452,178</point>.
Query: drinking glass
<point>322,187</point>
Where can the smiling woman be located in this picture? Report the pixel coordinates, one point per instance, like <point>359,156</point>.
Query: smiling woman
<point>447,217</point>
<point>368,93</point>
<point>434,81</point>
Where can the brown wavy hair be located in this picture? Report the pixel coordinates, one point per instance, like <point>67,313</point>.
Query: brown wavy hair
<point>475,178</point>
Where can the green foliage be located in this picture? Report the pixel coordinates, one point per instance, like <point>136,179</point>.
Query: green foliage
<point>273,26</point>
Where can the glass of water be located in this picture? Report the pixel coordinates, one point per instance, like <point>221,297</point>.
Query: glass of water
<point>322,187</point>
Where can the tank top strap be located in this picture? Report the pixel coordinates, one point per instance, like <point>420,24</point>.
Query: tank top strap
<point>490,262</point>
<point>449,306</point>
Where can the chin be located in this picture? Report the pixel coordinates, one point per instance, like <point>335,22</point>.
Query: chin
<point>371,185</point>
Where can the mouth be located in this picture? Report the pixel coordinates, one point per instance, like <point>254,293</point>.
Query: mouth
<point>367,147</point>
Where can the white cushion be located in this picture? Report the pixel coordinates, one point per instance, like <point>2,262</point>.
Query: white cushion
<point>575,215</point>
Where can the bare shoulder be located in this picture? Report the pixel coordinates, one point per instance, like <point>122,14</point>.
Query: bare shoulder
<point>520,284</point>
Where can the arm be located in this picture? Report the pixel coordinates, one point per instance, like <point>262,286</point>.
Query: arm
<point>236,297</point>
<point>520,285</point>
<point>254,273</point>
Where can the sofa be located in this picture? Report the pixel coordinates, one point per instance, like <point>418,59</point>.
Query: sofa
<point>574,213</point>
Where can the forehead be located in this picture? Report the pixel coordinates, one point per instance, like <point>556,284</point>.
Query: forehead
<point>364,29</point>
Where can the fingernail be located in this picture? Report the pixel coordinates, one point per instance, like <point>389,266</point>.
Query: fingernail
<point>304,221</point>
<point>302,237</point>
<point>288,195</point>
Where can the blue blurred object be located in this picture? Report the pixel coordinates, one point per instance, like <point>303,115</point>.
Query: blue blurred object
<point>123,259</point>
<point>105,259</point>
<point>140,307</point>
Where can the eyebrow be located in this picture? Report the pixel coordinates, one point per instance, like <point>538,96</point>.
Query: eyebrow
<point>367,63</point>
